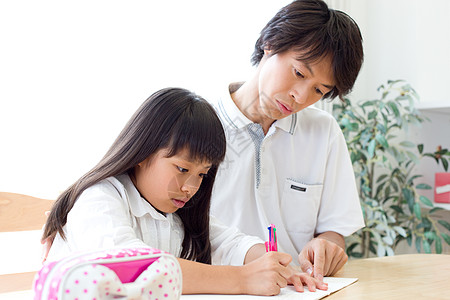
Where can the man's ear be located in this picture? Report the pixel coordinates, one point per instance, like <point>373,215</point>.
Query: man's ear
<point>267,50</point>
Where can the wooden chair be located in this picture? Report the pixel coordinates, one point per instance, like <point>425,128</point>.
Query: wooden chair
<point>20,213</point>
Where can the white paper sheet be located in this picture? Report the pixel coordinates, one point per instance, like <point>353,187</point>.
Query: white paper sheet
<point>334,284</point>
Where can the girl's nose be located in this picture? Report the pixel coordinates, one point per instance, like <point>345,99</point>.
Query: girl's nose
<point>190,186</point>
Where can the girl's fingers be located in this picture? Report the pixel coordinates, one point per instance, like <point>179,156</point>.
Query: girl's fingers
<point>281,282</point>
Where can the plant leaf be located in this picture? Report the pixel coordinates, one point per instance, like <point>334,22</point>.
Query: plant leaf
<point>389,251</point>
<point>372,115</point>
<point>446,238</point>
<point>426,246</point>
<point>381,177</point>
<point>382,140</point>
<point>381,251</point>
<point>388,240</point>
<point>397,209</point>
<point>409,240</point>
<point>434,209</point>
<point>444,163</point>
<point>418,243</point>
<point>350,248</point>
<point>394,108</point>
<point>372,248</point>
<point>400,231</point>
<point>410,180</point>
<point>445,224</point>
<point>417,211</point>
<point>420,148</point>
<point>407,144</point>
<point>409,198</point>
<point>412,156</point>
<point>426,201</point>
<point>430,235</point>
<point>423,186</point>
<point>438,246</point>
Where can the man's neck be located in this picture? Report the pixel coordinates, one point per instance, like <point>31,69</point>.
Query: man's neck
<point>247,100</point>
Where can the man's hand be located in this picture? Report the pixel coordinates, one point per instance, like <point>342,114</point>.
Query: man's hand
<point>299,279</point>
<point>323,255</point>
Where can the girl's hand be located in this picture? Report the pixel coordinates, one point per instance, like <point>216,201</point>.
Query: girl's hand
<point>267,274</point>
<point>299,279</point>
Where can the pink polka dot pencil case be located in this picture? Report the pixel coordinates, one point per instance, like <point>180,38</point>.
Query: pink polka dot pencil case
<point>131,273</point>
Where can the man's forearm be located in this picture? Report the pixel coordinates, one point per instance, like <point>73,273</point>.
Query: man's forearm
<point>333,237</point>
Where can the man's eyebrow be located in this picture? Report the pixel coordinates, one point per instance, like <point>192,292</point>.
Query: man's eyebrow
<point>330,87</point>
<point>308,66</point>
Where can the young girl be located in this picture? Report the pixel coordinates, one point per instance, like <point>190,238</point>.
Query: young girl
<point>153,188</point>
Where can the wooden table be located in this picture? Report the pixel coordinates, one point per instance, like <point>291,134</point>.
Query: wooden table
<point>16,282</point>
<point>411,276</point>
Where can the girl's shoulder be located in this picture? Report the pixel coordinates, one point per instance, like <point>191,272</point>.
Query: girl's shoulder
<point>114,187</point>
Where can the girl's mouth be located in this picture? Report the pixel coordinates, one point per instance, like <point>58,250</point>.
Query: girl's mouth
<point>178,203</point>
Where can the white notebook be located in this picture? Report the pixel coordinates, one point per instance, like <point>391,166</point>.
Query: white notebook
<point>334,284</point>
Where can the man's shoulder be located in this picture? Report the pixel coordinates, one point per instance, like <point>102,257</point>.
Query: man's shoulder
<point>315,120</point>
<point>316,112</point>
<point>317,115</point>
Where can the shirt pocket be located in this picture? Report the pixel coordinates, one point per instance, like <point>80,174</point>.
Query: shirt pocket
<point>300,205</point>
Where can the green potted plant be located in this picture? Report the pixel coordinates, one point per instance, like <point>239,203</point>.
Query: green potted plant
<point>384,164</point>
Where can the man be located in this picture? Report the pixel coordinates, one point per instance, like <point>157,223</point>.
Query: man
<point>287,162</point>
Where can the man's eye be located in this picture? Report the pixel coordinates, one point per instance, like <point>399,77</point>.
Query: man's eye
<point>298,74</point>
<point>182,170</point>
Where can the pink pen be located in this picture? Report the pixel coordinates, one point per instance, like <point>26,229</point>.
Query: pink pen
<point>271,245</point>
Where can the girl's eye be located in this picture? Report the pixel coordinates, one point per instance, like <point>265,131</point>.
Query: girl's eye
<point>203,175</point>
<point>182,170</point>
<point>298,74</point>
<point>319,92</point>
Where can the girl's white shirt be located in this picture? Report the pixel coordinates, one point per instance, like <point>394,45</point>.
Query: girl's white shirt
<point>112,213</point>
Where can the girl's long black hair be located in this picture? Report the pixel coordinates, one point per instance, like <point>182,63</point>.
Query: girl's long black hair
<point>174,119</point>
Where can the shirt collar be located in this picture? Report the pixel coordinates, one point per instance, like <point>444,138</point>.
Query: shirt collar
<point>234,118</point>
<point>228,110</point>
<point>139,206</point>
<point>287,124</point>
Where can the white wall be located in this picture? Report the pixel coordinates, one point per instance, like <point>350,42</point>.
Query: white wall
<point>404,39</point>
<point>410,40</point>
<point>72,74</point>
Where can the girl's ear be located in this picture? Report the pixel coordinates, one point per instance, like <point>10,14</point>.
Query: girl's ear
<point>143,163</point>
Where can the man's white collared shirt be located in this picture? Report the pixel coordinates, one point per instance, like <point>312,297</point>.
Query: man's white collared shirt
<point>298,177</point>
